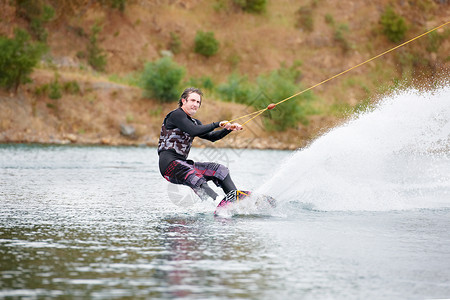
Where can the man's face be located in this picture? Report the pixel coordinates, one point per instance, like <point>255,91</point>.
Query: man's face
<point>191,104</point>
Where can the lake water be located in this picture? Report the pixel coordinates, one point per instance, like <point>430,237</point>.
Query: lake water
<point>364,213</point>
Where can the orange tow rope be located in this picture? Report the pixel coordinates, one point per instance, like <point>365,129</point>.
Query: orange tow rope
<point>273,105</point>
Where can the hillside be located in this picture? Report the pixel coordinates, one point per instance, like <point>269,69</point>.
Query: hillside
<point>343,34</point>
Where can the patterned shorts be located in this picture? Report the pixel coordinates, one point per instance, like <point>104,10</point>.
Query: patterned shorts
<point>194,174</point>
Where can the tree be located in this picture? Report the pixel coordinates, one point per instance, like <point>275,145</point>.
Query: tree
<point>18,57</point>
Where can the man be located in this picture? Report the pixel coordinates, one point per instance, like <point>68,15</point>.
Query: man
<point>177,133</point>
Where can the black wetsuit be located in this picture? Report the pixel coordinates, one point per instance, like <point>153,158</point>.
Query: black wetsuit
<point>177,133</point>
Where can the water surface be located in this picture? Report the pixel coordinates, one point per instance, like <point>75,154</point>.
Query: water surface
<point>97,222</point>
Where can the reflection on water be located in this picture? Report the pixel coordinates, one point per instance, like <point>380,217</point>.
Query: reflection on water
<point>172,257</point>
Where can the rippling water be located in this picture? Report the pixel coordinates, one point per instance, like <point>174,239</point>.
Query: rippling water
<point>101,223</point>
<point>98,222</point>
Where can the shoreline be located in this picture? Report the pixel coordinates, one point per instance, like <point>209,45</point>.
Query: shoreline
<point>77,140</point>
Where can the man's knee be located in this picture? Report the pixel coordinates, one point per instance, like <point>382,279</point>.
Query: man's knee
<point>212,170</point>
<point>222,172</point>
<point>194,181</point>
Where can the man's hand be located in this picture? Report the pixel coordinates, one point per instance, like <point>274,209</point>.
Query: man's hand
<point>236,127</point>
<point>225,124</point>
<point>230,126</point>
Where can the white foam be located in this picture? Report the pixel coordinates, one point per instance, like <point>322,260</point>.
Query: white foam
<point>394,157</point>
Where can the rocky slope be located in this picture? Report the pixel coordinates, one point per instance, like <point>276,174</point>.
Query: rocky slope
<point>251,44</point>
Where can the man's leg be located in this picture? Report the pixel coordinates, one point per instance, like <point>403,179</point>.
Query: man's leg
<point>204,189</point>
<point>218,173</point>
<point>227,184</point>
<point>182,172</point>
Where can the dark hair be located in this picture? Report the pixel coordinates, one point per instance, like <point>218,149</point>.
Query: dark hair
<point>189,91</point>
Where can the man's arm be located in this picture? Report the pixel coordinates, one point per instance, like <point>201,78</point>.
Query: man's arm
<point>215,135</point>
<point>181,120</point>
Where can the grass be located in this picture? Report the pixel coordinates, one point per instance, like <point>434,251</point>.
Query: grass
<point>131,79</point>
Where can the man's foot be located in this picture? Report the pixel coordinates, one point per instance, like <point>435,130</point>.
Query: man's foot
<point>231,197</point>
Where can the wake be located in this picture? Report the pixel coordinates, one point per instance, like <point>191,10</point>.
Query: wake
<point>394,157</point>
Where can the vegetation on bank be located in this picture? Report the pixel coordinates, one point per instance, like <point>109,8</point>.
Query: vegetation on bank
<point>163,79</point>
<point>18,57</point>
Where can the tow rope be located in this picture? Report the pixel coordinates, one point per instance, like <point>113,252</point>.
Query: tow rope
<point>273,105</point>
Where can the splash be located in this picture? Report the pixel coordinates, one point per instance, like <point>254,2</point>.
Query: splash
<point>395,157</point>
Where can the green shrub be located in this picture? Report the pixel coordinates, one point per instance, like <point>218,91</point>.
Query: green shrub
<point>365,105</point>
<point>175,43</point>
<point>115,4</point>
<point>340,109</point>
<point>271,88</point>
<point>37,23</point>
<point>236,89</point>
<point>95,55</point>
<point>81,54</point>
<point>409,61</point>
<point>305,18</point>
<point>279,85</point>
<point>41,90</point>
<point>435,40</point>
<point>233,59</point>
<point>37,13</point>
<point>161,79</point>
<point>54,90</point>
<point>252,6</point>
<point>340,37</point>
<point>394,26</point>
<point>220,5</point>
<point>71,87</point>
<point>18,57</point>
<point>119,4</point>
<point>206,44</point>
<point>329,19</point>
<point>204,82</point>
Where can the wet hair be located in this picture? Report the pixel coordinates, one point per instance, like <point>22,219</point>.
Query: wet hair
<point>189,91</point>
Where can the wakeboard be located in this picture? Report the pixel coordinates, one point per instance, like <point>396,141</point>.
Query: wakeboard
<point>235,198</point>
